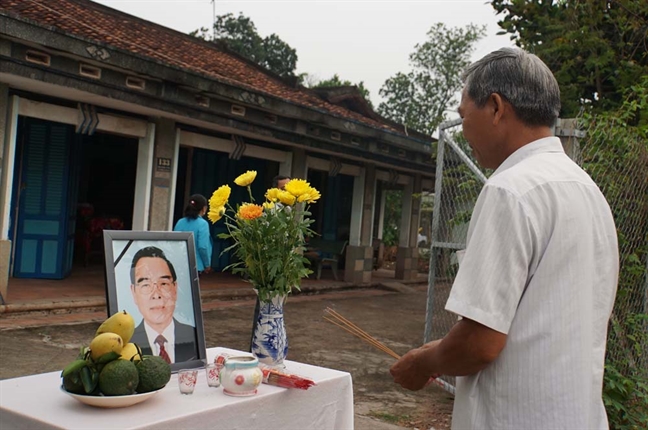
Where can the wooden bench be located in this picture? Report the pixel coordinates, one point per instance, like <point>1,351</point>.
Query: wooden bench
<point>330,252</point>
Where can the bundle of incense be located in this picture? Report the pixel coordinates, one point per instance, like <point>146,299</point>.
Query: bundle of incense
<point>285,380</point>
<point>345,324</point>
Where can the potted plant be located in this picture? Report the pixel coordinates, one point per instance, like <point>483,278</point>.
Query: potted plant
<point>268,242</point>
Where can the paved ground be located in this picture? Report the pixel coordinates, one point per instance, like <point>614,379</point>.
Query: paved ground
<point>395,318</point>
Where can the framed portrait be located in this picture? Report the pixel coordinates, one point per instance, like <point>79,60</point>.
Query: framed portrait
<point>152,276</point>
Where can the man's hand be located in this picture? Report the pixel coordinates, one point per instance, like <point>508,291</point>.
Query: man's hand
<point>412,370</point>
<point>468,348</point>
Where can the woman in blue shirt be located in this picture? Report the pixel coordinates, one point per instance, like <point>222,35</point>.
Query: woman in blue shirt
<point>194,222</point>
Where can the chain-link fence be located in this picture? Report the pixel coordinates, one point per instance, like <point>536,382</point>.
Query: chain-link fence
<point>618,165</point>
<point>616,158</point>
<point>458,183</point>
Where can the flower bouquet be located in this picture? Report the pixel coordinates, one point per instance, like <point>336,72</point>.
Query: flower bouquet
<point>268,244</point>
<point>268,238</point>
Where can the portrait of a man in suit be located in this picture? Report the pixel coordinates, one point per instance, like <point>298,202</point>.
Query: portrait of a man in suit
<point>154,289</point>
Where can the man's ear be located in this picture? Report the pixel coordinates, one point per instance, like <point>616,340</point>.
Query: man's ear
<point>497,104</point>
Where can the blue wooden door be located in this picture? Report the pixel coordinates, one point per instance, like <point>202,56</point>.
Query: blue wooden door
<point>43,241</point>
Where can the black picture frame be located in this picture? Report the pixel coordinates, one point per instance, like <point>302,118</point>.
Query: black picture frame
<point>121,246</point>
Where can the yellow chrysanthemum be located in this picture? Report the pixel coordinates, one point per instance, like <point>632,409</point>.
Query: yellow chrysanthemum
<point>220,197</point>
<point>250,211</point>
<point>215,213</point>
<point>310,196</point>
<point>268,205</point>
<point>246,178</point>
<point>286,198</point>
<point>297,187</point>
<point>272,195</point>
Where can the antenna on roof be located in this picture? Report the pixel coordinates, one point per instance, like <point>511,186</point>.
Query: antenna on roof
<point>213,2</point>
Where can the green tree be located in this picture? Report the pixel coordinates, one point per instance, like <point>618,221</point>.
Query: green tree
<point>335,81</point>
<point>240,35</point>
<point>420,98</point>
<point>596,48</point>
<point>615,154</point>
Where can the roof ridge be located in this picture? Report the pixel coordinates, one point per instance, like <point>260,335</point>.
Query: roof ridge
<point>103,25</point>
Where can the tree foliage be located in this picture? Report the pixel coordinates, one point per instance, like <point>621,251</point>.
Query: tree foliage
<point>241,36</point>
<point>595,48</point>
<point>335,81</point>
<point>615,154</point>
<point>420,98</point>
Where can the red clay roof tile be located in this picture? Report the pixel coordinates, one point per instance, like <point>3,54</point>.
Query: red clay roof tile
<point>101,24</point>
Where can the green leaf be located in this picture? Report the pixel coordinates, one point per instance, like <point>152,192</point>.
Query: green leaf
<point>74,367</point>
<point>89,379</point>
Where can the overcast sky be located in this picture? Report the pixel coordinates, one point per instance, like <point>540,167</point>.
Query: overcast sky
<point>359,40</point>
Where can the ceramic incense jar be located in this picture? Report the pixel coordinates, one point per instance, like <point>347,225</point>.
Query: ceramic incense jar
<point>240,376</point>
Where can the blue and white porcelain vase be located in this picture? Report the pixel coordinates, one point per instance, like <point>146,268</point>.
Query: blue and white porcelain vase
<point>269,343</point>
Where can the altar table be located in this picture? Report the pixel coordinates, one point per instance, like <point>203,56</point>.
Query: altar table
<point>37,402</point>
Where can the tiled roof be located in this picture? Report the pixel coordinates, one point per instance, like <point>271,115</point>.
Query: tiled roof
<point>100,24</point>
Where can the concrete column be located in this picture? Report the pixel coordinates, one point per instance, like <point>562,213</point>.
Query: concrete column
<point>369,205</point>
<point>165,142</point>
<point>299,166</point>
<point>285,167</point>
<point>8,135</point>
<point>8,129</point>
<point>143,180</point>
<point>359,253</point>
<point>174,178</point>
<point>568,132</point>
<point>355,226</point>
<point>406,215</point>
<point>381,214</point>
<point>407,254</point>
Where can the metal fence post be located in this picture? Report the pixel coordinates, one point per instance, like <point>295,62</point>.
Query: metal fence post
<point>434,251</point>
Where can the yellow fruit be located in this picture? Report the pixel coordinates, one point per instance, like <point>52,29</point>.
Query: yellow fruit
<point>129,351</point>
<point>105,343</point>
<point>121,323</point>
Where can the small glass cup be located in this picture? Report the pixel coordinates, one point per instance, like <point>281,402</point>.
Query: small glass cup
<point>187,380</point>
<point>212,371</point>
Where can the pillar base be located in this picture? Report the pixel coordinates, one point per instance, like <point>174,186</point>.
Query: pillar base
<point>358,264</point>
<point>5,258</point>
<point>407,263</point>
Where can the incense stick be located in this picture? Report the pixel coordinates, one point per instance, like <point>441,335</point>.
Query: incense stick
<point>371,341</point>
<point>349,326</point>
<point>345,324</point>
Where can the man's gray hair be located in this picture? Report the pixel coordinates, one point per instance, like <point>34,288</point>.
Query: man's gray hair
<point>520,78</point>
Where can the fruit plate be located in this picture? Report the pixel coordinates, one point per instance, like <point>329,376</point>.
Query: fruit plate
<point>112,401</point>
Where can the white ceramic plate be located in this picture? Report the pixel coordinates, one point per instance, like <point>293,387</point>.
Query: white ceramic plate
<point>112,401</point>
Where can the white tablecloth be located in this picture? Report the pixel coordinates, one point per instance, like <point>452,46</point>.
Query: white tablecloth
<point>37,402</point>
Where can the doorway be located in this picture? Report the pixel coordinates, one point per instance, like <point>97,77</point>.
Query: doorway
<point>66,186</point>
<point>332,213</point>
<point>201,171</point>
<point>107,173</point>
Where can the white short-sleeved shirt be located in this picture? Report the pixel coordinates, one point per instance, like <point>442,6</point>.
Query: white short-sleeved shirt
<point>541,265</point>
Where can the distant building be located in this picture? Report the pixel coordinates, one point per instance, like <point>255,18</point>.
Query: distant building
<point>110,121</point>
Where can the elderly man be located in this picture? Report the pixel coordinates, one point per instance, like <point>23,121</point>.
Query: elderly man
<point>155,290</point>
<point>537,282</point>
